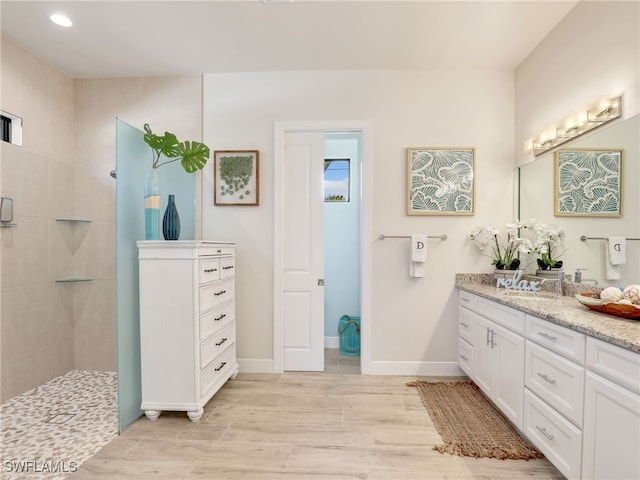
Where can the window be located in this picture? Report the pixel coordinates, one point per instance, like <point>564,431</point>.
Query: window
<point>336,179</point>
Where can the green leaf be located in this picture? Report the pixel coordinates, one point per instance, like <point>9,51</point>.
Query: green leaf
<point>166,145</point>
<point>194,155</point>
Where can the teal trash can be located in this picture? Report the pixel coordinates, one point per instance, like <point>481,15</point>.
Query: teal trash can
<point>349,331</point>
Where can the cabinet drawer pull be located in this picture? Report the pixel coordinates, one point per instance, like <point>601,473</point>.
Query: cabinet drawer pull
<point>464,357</point>
<point>220,367</point>
<point>544,376</point>
<point>488,336</point>
<point>464,299</point>
<point>221,292</point>
<point>209,270</point>
<point>217,319</point>
<point>547,336</point>
<point>493,336</point>
<point>543,431</point>
<point>465,325</point>
<point>221,342</point>
<point>229,267</point>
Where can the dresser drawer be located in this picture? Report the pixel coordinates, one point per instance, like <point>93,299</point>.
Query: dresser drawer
<point>615,363</point>
<point>467,299</point>
<point>216,344</point>
<point>208,270</point>
<point>556,380</point>
<point>217,370</point>
<point>216,319</point>
<point>211,251</point>
<point>553,435</point>
<point>562,340</point>
<point>227,267</point>
<point>465,357</point>
<point>506,316</point>
<point>467,325</point>
<point>215,294</point>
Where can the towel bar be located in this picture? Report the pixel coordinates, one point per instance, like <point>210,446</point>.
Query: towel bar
<point>382,236</point>
<point>584,238</point>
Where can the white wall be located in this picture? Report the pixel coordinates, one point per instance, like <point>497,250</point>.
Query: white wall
<point>593,52</point>
<point>414,320</point>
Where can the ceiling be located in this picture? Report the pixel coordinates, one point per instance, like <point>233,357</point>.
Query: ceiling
<point>147,38</point>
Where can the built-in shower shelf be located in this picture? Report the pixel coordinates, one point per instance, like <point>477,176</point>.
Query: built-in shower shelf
<point>73,280</point>
<point>72,220</point>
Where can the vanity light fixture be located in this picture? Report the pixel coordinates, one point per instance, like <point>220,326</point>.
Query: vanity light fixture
<point>60,19</point>
<point>595,115</point>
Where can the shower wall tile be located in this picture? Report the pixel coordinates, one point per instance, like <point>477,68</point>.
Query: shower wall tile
<point>39,177</point>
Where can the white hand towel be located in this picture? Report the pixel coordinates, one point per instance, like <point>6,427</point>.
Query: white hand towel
<point>418,255</point>
<point>617,250</point>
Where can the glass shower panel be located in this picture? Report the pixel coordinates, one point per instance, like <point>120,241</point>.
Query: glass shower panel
<point>133,161</point>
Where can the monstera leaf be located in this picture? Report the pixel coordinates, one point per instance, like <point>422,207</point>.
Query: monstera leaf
<point>192,155</point>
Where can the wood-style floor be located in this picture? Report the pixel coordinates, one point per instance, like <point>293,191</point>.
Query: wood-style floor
<point>324,426</point>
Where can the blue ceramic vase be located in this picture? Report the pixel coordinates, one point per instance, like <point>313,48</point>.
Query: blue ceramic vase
<point>171,221</point>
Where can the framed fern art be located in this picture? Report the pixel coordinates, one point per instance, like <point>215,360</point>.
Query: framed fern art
<point>441,181</point>
<point>236,180</point>
<point>588,182</point>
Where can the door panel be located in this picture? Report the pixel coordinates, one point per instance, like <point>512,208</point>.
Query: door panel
<point>303,258</point>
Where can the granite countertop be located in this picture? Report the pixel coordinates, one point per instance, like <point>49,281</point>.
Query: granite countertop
<point>563,310</point>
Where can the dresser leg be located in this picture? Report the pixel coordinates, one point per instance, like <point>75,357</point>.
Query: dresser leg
<point>195,416</point>
<point>235,374</point>
<point>152,414</point>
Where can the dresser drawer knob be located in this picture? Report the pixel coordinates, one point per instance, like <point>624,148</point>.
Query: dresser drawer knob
<point>544,376</point>
<point>209,270</point>
<point>221,342</point>
<point>217,319</point>
<point>221,292</point>
<point>543,431</point>
<point>220,367</point>
<point>229,267</point>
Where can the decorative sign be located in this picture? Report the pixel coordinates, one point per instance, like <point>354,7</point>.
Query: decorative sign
<point>516,284</point>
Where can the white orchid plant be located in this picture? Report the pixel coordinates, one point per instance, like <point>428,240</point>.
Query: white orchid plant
<point>549,240</point>
<point>505,244</point>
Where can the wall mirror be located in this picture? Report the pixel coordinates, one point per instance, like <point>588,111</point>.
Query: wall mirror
<point>536,201</point>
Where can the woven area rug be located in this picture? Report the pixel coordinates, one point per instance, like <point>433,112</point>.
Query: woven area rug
<point>469,424</point>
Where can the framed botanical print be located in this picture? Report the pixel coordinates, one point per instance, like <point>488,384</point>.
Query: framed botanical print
<point>236,177</point>
<point>588,182</point>
<point>441,181</point>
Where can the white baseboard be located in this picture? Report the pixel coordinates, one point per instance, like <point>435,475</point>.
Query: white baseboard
<point>331,342</point>
<point>252,365</point>
<point>436,369</point>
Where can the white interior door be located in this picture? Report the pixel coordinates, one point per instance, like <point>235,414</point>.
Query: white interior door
<point>303,252</point>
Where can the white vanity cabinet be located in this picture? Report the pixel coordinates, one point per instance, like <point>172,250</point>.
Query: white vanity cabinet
<point>498,352</point>
<point>575,397</point>
<point>187,324</point>
<point>611,413</point>
<point>554,393</point>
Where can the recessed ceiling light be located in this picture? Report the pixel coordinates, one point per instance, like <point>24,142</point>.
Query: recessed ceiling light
<point>61,20</point>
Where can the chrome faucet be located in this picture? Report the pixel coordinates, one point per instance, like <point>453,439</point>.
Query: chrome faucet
<point>577,277</point>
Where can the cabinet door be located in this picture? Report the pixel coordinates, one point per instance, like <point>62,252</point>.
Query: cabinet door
<point>509,373</point>
<point>485,356</point>
<point>611,430</point>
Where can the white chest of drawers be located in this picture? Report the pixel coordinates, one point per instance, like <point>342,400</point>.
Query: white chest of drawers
<point>187,324</point>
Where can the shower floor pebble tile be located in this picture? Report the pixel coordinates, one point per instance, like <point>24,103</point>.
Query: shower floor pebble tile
<point>50,430</point>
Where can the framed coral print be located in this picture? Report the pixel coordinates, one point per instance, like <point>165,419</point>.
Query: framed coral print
<point>588,182</point>
<point>236,180</point>
<point>441,181</point>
